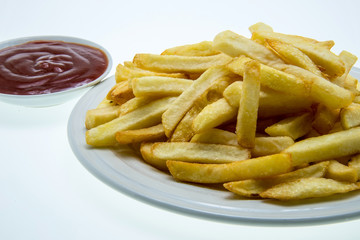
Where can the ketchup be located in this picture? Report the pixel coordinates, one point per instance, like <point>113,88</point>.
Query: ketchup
<point>41,67</point>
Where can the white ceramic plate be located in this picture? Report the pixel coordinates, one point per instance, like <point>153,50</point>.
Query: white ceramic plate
<point>123,170</point>
<point>50,99</point>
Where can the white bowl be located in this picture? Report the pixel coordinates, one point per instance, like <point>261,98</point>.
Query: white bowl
<point>50,99</point>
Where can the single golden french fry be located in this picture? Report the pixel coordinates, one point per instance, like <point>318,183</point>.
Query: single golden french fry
<point>213,115</point>
<point>154,86</point>
<point>204,48</point>
<point>355,163</point>
<point>175,63</point>
<point>248,107</point>
<point>220,173</point>
<point>98,116</point>
<point>253,187</point>
<point>291,55</point>
<point>236,45</point>
<point>260,26</point>
<point>152,133</point>
<point>350,116</point>
<point>185,101</point>
<point>329,146</point>
<point>294,127</point>
<point>145,116</point>
<point>340,172</point>
<point>135,103</point>
<point>129,71</point>
<point>216,136</point>
<point>325,118</point>
<point>146,153</point>
<point>349,60</point>
<point>308,188</point>
<point>120,93</point>
<point>106,103</point>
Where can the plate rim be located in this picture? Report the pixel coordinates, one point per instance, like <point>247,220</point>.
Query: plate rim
<point>176,208</point>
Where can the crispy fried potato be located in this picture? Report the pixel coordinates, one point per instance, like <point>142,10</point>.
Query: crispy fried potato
<point>329,146</point>
<point>120,93</point>
<point>350,116</point>
<point>146,153</point>
<point>174,63</point>
<point>254,187</point>
<point>98,116</point>
<point>325,119</point>
<point>185,101</point>
<point>152,133</point>
<point>198,152</point>
<point>340,172</point>
<point>145,116</point>
<point>294,127</point>
<point>204,48</point>
<point>308,188</point>
<point>355,163</point>
<point>155,86</point>
<point>220,173</point>
<point>236,45</point>
<point>248,106</point>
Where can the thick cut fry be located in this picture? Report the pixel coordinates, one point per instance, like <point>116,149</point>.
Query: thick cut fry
<point>135,103</point>
<point>185,101</point>
<point>340,172</point>
<point>293,127</point>
<point>216,136</point>
<point>214,115</point>
<point>253,187</point>
<point>325,119</point>
<point>198,152</point>
<point>98,116</point>
<point>292,55</point>
<point>159,86</point>
<point>146,153</point>
<point>120,93</point>
<point>236,45</point>
<point>106,103</point>
<point>204,48</point>
<point>325,147</point>
<point>308,188</point>
<point>140,135</point>
<point>349,60</point>
<point>350,116</point>
<point>124,73</point>
<point>260,26</point>
<point>321,56</point>
<point>273,78</point>
<point>249,104</point>
<point>322,90</point>
<point>220,173</point>
<point>174,63</point>
<point>145,116</point>
<point>355,163</point>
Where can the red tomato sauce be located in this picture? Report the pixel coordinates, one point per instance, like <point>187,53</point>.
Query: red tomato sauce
<point>41,67</point>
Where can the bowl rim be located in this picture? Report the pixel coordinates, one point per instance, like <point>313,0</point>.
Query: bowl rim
<point>63,38</point>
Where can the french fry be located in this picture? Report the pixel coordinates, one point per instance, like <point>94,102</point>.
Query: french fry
<point>120,93</point>
<point>254,187</point>
<point>340,172</point>
<point>321,56</point>
<point>106,103</point>
<point>294,127</point>
<point>325,119</point>
<point>214,115</point>
<point>204,48</point>
<point>175,63</point>
<point>98,116</point>
<point>198,152</point>
<point>350,116</point>
<point>147,156</point>
<point>152,133</point>
<point>308,188</point>
<point>291,55</point>
<point>185,101</point>
<point>129,71</point>
<point>135,103</point>
<point>355,163</point>
<point>159,86</point>
<point>220,173</point>
<point>325,147</point>
<point>248,107</point>
<point>349,60</point>
<point>236,45</point>
<point>145,116</point>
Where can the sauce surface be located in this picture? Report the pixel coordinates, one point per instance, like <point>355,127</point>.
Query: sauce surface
<point>40,67</point>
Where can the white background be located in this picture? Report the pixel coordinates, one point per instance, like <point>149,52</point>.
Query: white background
<point>45,193</point>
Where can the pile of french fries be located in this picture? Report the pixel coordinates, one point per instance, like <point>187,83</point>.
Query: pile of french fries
<point>271,116</point>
